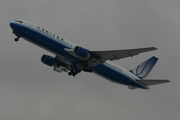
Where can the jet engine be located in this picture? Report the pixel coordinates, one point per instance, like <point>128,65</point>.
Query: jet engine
<point>82,52</point>
<point>48,60</point>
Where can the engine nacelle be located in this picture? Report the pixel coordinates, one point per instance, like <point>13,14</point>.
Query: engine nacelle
<point>82,52</point>
<point>48,60</point>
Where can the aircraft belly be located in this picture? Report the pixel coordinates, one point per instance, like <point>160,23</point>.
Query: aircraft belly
<point>114,75</point>
<point>110,73</point>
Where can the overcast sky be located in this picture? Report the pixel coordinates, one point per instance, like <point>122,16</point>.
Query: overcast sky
<point>30,90</point>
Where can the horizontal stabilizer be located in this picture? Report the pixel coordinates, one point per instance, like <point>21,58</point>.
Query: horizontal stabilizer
<point>149,82</point>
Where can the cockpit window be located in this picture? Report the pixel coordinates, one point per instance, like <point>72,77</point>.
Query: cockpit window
<point>19,21</point>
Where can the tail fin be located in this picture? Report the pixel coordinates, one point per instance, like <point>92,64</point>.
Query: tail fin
<point>143,70</point>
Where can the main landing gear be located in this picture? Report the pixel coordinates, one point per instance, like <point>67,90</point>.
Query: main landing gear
<point>73,73</point>
<point>16,39</point>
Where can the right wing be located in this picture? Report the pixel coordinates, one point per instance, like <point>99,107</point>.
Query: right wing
<point>98,57</point>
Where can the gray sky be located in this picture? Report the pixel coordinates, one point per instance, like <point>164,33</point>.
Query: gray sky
<point>29,90</point>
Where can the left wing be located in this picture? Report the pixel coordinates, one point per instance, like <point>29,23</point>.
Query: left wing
<point>119,54</point>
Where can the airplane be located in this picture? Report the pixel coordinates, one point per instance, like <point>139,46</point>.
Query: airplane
<point>73,59</point>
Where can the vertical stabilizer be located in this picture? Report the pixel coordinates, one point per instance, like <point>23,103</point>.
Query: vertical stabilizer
<point>143,70</point>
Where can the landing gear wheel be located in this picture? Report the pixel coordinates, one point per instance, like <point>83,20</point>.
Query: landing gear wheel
<point>73,73</point>
<point>16,39</point>
<point>69,73</point>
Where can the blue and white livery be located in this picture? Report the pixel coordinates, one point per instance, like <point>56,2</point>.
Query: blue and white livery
<point>73,59</point>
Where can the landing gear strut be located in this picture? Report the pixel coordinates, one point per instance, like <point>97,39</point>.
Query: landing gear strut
<point>87,70</point>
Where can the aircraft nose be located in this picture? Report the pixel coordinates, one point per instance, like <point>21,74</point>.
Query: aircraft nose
<point>12,25</point>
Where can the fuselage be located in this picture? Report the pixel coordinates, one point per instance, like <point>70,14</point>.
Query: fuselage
<point>57,45</point>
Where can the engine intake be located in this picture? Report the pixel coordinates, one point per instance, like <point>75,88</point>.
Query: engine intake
<point>48,60</point>
<point>82,52</point>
